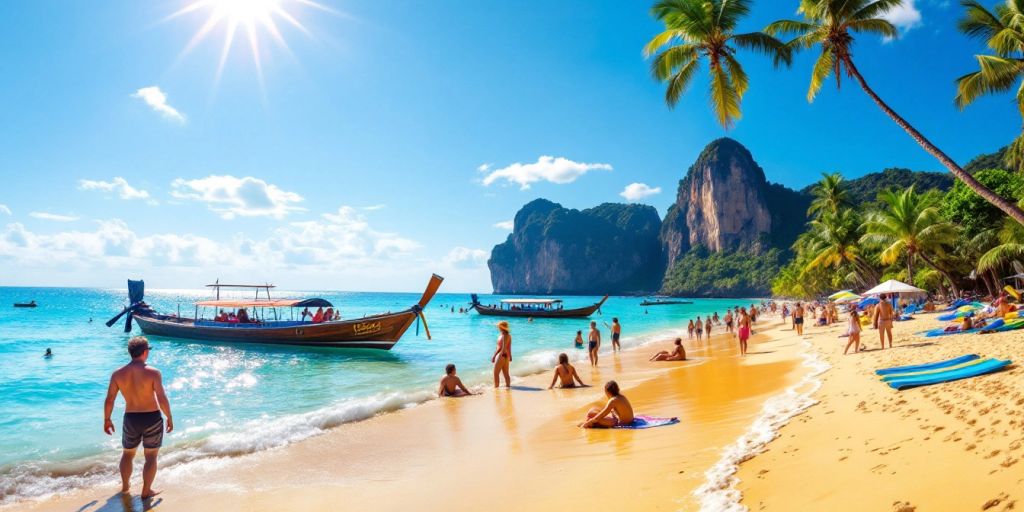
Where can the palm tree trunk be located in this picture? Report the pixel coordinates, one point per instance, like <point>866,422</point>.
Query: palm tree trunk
<point>947,275</point>
<point>1011,209</point>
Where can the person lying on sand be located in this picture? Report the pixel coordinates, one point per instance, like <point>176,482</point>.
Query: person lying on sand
<point>451,384</point>
<point>617,411</point>
<point>677,354</point>
<point>566,373</point>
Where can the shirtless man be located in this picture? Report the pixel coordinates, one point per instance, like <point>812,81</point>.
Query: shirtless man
<point>565,373</point>
<point>798,319</point>
<point>143,391</point>
<point>883,317</point>
<point>616,412</point>
<point>616,330</point>
<point>594,343</point>
<point>451,384</point>
<point>677,354</point>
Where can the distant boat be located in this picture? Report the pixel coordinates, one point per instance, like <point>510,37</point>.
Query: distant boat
<point>663,302</point>
<point>534,308</point>
<point>267,326</point>
<point>30,304</point>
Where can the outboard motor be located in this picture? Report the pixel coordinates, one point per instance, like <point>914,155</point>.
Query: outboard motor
<point>136,292</point>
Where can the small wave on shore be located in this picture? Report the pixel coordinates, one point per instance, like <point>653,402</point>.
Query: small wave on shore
<point>718,493</point>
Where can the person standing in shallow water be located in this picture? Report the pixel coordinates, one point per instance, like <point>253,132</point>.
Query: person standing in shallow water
<point>743,330</point>
<point>502,354</point>
<point>798,319</point>
<point>143,391</point>
<point>616,330</point>
<point>594,343</point>
<point>699,327</point>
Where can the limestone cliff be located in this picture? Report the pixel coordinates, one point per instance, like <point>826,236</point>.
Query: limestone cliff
<point>720,204</point>
<point>611,248</point>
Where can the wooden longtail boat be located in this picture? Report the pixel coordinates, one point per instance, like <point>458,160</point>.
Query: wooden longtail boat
<point>377,331</point>
<point>664,302</point>
<point>534,308</point>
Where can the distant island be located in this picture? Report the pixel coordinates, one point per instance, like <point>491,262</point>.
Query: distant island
<point>727,234</point>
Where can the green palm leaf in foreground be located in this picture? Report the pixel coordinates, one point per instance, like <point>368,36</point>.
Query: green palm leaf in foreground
<point>830,25</point>
<point>1003,32</point>
<point>697,30</point>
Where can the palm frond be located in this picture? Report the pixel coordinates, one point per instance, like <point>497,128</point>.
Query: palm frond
<point>978,22</point>
<point>875,26</point>
<point>679,82</point>
<point>875,10</point>
<point>724,99</point>
<point>823,67</point>
<point>738,77</point>
<point>766,44</point>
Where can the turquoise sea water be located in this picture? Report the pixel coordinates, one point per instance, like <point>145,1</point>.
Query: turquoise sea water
<point>236,399</point>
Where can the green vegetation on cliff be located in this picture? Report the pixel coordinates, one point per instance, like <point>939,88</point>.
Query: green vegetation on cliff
<point>700,273</point>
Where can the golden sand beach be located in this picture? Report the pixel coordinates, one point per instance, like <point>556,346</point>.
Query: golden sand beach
<point>507,449</point>
<point>955,446</point>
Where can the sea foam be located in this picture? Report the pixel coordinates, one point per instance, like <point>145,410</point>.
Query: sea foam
<point>718,493</point>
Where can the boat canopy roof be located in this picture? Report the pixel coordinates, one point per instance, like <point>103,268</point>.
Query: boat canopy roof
<point>267,303</point>
<point>531,301</point>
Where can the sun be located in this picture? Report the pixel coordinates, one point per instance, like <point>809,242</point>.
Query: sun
<point>253,18</point>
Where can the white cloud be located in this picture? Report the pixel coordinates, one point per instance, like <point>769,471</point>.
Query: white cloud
<point>230,196</point>
<point>638,191</point>
<point>507,225</point>
<point>336,242</point>
<point>53,216</point>
<point>546,168</point>
<point>5,210</point>
<point>464,257</point>
<point>118,185</point>
<point>905,15</point>
<point>374,207</point>
<point>157,100</point>
<point>483,168</point>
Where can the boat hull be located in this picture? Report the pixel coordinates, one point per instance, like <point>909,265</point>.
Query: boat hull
<point>539,313</point>
<point>376,332</point>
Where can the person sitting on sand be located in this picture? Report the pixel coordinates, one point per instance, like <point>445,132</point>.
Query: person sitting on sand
<point>579,339</point>
<point>854,332</point>
<point>451,384</point>
<point>616,412</point>
<point>565,373</point>
<point>677,354</point>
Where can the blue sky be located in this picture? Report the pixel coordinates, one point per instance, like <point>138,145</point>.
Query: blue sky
<point>352,158</point>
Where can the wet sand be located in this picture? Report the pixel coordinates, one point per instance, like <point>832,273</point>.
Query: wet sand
<point>955,446</point>
<point>505,449</point>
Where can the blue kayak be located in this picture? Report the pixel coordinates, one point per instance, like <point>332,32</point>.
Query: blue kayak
<point>928,366</point>
<point>988,366</point>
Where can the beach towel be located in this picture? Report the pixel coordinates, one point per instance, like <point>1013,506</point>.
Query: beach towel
<point>956,304</point>
<point>986,366</point>
<point>1012,325</point>
<point>928,366</point>
<point>924,373</point>
<point>993,325</point>
<point>641,421</point>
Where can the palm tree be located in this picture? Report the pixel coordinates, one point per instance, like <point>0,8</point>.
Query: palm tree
<point>830,195</point>
<point>910,225</point>
<point>705,29</point>
<point>1003,32</point>
<point>1010,246</point>
<point>831,24</point>
<point>833,241</point>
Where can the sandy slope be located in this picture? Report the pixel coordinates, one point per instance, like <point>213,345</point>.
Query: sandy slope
<point>954,446</point>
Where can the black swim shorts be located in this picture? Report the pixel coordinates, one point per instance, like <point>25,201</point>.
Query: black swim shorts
<point>142,427</point>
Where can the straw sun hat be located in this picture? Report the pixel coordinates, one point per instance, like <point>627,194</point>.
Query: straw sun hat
<point>503,325</point>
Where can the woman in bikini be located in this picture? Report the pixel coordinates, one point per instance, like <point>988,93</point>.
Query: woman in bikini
<point>502,354</point>
<point>743,330</point>
<point>566,373</point>
<point>854,332</point>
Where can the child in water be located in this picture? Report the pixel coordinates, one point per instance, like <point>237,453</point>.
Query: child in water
<point>616,412</point>
<point>451,384</point>
<point>566,373</point>
<point>579,339</point>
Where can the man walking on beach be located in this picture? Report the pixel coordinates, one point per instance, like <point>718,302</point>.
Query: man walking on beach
<point>143,391</point>
<point>883,319</point>
<point>616,330</point>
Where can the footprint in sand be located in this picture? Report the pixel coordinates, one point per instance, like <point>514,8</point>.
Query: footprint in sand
<point>901,506</point>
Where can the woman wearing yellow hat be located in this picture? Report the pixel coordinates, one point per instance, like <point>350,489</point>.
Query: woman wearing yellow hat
<point>503,354</point>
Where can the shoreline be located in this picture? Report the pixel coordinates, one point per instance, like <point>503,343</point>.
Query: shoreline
<point>527,428</point>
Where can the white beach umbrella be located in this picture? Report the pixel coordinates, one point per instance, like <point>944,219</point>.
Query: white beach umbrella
<point>893,286</point>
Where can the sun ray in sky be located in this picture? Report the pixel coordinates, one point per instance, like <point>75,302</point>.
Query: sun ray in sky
<point>253,17</point>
